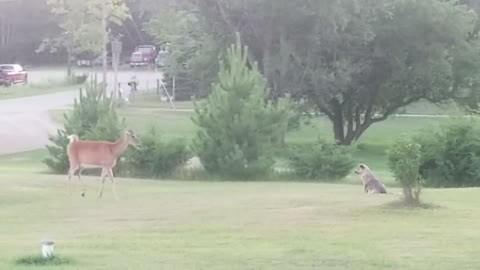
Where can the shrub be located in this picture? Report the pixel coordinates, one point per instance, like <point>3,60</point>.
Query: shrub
<point>185,86</point>
<point>93,117</point>
<point>76,79</point>
<point>155,158</point>
<point>451,155</point>
<point>37,261</point>
<point>321,161</point>
<point>238,126</point>
<point>404,160</point>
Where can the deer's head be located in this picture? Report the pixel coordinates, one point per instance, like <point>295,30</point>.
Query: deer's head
<point>132,138</point>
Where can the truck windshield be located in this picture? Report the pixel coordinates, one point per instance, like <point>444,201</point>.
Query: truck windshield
<point>7,68</point>
<point>144,49</point>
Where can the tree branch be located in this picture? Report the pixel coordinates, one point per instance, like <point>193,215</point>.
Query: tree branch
<point>322,108</point>
<point>350,115</point>
<point>393,108</point>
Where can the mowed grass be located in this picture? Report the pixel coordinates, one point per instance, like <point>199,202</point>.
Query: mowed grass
<point>147,112</point>
<point>45,87</point>
<point>234,225</point>
<point>372,147</point>
<point>178,124</point>
<point>27,162</point>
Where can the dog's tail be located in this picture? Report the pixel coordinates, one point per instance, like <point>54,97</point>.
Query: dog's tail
<point>73,138</point>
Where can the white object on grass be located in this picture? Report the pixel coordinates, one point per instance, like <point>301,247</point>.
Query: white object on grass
<point>47,249</point>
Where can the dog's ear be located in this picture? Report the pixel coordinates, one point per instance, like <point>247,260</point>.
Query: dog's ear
<point>362,166</point>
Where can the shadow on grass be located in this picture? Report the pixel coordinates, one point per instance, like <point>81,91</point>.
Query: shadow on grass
<point>401,204</point>
<point>40,261</point>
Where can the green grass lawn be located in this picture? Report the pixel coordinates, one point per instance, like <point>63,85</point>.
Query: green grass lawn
<point>228,225</point>
<point>178,124</point>
<point>235,225</point>
<point>151,100</point>
<point>46,87</point>
<point>147,112</point>
<point>27,162</point>
<point>371,148</point>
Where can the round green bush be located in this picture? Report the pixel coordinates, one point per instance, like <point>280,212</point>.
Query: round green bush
<point>321,161</point>
<point>451,155</point>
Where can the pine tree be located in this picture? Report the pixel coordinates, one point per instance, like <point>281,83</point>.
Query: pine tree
<point>93,117</point>
<point>239,127</point>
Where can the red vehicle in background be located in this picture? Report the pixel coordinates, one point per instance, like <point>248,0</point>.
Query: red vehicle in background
<point>12,74</point>
<point>143,56</point>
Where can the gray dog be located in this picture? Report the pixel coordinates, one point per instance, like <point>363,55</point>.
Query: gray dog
<point>370,183</point>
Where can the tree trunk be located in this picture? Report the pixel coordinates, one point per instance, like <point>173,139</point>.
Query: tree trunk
<point>407,193</point>
<point>69,63</point>
<point>338,130</point>
<point>416,194</point>
<point>338,123</point>
<point>352,134</point>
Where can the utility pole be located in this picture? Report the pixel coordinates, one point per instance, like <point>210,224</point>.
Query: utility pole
<point>105,44</point>
<point>116,52</point>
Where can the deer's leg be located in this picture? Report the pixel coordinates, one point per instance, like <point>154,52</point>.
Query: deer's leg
<point>114,188</point>
<point>103,178</point>
<point>71,172</point>
<point>81,181</point>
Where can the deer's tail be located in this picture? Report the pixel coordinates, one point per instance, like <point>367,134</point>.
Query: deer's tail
<point>73,138</point>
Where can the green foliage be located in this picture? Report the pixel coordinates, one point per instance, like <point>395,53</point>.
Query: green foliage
<point>186,86</point>
<point>239,128</point>
<point>357,61</point>
<point>77,79</point>
<point>156,158</point>
<point>321,161</point>
<point>93,117</point>
<point>81,24</point>
<point>40,261</point>
<point>193,56</point>
<point>405,159</point>
<point>451,155</point>
<point>20,36</point>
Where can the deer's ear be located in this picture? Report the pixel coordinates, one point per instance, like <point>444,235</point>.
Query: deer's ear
<point>130,132</point>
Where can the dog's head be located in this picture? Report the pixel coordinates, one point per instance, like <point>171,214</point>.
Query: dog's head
<point>361,168</point>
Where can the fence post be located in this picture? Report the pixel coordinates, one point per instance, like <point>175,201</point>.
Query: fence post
<point>173,87</point>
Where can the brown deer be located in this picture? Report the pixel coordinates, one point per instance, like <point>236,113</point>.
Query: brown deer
<point>84,154</point>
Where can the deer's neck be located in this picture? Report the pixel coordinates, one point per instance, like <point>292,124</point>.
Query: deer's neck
<point>120,146</point>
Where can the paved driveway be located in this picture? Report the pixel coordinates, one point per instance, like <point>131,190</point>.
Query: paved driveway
<point>25,123</point>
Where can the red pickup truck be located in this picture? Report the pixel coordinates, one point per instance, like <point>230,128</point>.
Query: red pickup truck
<point>12,74</point>
<point>143,55</point>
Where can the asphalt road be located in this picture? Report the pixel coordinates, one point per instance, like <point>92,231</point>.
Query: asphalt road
<point>25,123</point>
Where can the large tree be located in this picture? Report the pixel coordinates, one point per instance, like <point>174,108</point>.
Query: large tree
<point>85,24</point>
<point>23,25</point>
<point>193,55</point>
<point>356,61</point>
